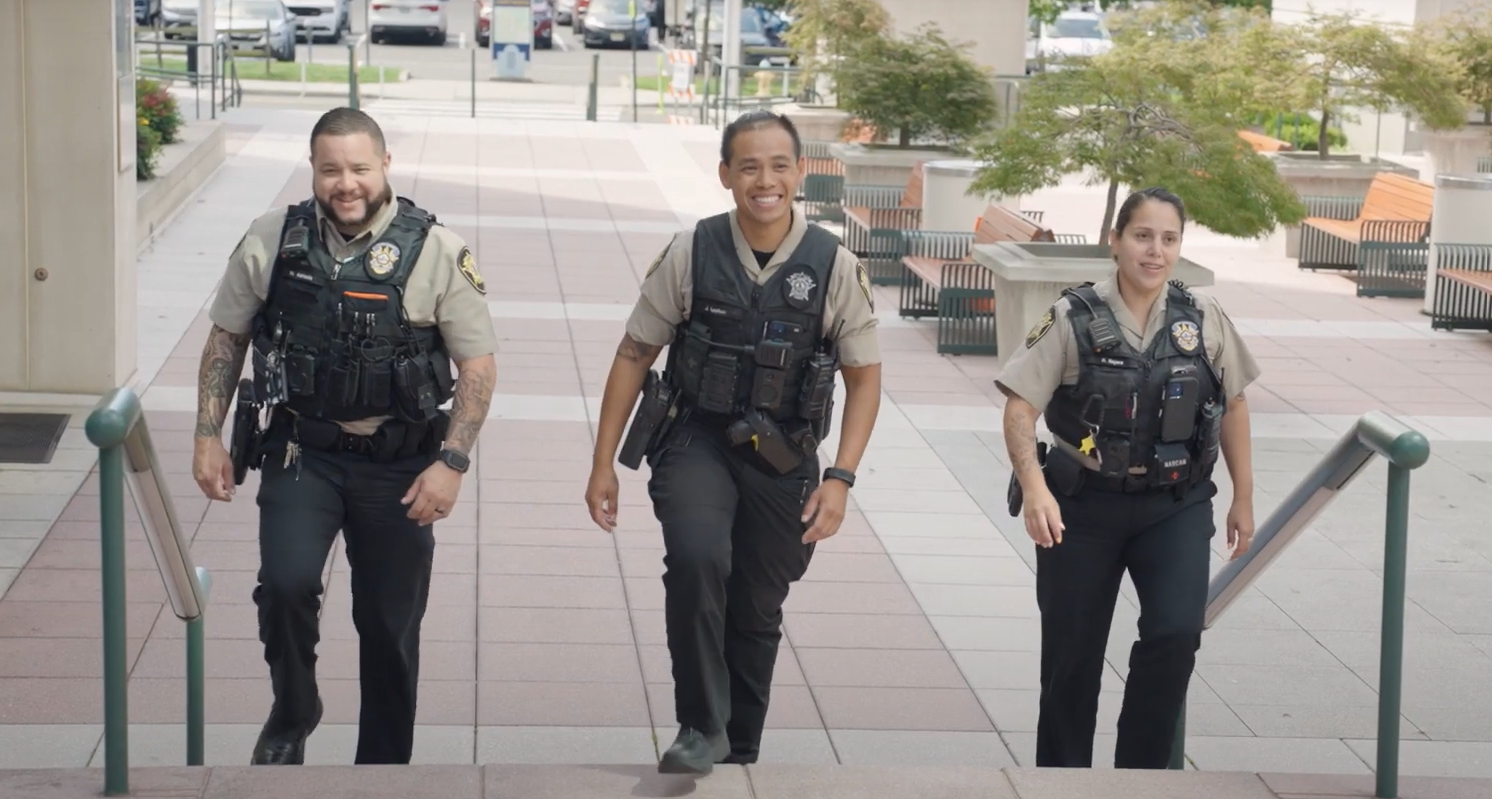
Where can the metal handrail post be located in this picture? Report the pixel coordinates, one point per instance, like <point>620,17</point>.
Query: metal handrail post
<point>1391,647</point>
<point>352,99</point>
<point>127,458</point>
<point>196,679</point>
<point>1405,449</point>
<point>106,428</point>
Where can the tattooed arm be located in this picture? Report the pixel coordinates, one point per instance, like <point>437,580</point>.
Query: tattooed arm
<point>1020,441</point>
<point>623,387</point>
<point>217,379</point>
<point>475,380</point>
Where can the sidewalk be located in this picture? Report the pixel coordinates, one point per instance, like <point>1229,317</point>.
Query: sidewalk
<point>912,640</point>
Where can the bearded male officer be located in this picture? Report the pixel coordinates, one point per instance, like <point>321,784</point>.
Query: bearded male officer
<point>354,306</point>
<point>753,305</point>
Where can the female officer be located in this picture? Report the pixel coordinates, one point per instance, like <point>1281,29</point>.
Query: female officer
<point>1141,382</point>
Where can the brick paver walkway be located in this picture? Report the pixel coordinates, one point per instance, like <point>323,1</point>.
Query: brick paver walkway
<point>913,638</point>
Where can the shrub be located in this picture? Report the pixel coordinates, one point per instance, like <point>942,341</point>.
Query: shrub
<point>159,109</point>
<point>922,86</point>
<point>147,149</point>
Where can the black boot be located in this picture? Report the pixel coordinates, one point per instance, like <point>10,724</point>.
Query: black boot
<point>693,752</point>
<point>286,748</point>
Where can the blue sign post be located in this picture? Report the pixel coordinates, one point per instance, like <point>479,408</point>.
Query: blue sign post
<point>512,36</point>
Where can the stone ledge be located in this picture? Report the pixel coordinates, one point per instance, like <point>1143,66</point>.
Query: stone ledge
<point>183,167</point>
<point>728,782</point>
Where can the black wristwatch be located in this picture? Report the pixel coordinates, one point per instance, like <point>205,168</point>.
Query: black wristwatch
<point>845,475</point>
<point>455,460</point>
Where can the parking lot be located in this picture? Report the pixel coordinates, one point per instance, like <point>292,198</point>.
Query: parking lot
<point>568,63</point>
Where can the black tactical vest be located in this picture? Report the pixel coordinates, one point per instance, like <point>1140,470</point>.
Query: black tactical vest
<point>747,346</point>
<point>331,341</point>
<point>1161,409</point>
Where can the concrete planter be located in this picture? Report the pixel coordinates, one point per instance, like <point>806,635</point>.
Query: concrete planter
<point>1455,152</point>
<point>883,164</point>
<point>1340,175</point>
<point>1030,276</point>
<point>946,202</point>
<point>184,166</point>
<point>817,122</point>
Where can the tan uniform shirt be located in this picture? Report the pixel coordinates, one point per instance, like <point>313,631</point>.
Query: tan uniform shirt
<point>1048,358</point>
<point>667,293</point>
<point>439,292</point>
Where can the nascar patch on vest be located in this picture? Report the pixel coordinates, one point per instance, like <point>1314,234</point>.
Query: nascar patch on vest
<point>1047,320</point>
<point>468,266</point>
<point>1186,335</point>
<point>382,258</point>
<point>863,277</point>
<point>798,289</point>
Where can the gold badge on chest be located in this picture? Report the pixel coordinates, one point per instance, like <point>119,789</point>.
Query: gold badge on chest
<point>382,258</point>
<point>1186,335</point>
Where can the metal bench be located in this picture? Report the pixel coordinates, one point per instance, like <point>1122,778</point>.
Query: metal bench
<point>1383,236</point>
<point>822,189</point>
<point>1463,287</point>
<point>941,279</point>
<point>875,217</point>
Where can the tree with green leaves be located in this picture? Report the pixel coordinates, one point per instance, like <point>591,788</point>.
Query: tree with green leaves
<point>1466,37</point>
<point>1115,118</point>
<point>1048,10</point>
<point>824,31</point>
<point>922,85</point>
<point>1339,64</point>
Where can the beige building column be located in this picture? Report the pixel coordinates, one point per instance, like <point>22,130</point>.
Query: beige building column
<point>67,196</point>
<point>996,28</point>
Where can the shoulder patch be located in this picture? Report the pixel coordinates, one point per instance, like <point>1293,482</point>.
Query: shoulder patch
<point>862,276</point>
<point>653,267</point>
<point>1042,326</point>
<point>468,266</point>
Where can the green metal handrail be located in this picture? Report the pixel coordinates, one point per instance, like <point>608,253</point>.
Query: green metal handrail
<point>126,457</point>
<point>1375,433</point>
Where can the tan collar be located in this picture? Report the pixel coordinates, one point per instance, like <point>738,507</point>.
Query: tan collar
<point>342,246</point>
<point>747,257</point>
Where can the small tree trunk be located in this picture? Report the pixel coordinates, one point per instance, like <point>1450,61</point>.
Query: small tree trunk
<point>1487,114</point>
<point>904,138</point>
<point>1110,204</point>
<point>1323,139</point>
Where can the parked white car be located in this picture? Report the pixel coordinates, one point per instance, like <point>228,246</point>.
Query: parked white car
<point>322,20</point>
<point>1074,33</point>
<point>425,19</point>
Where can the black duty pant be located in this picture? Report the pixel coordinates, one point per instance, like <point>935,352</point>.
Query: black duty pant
<point>733,534</point>
<point>300,512</point>
<point>1164,543</point>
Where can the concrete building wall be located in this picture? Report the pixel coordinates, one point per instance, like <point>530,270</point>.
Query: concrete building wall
<point>67,196</point>
<point>995,28</point>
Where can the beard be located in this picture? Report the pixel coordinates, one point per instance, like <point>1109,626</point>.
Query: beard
<point>373,206</point>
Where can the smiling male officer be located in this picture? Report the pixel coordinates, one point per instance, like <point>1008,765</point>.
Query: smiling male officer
<point>760,310</point>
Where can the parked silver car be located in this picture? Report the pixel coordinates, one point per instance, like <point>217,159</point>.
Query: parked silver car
<point>255,26</point>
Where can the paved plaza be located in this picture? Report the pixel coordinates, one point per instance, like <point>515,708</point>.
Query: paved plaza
<point>913,639</point>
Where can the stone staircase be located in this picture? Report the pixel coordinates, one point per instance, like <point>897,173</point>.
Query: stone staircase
<point>776,781</point>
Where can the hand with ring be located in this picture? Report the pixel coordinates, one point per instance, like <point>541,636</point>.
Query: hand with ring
<point>433,493</point>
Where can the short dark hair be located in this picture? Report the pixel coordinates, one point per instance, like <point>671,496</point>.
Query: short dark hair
<point>756,120</point>
<point>346,122</point>
<point>1133,201</point>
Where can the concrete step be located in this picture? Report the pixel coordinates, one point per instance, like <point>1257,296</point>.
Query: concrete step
<point>776,781</point>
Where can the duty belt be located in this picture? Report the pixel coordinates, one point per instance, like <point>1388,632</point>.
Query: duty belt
<point>393,440</point>
<point>1119,484</point>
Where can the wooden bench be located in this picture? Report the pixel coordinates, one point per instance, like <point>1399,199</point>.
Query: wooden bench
<point>875,218</point>
<point>1463,287</point>
<point>1265,144</point>
<point>941,279</point>
<point>1384,236</point>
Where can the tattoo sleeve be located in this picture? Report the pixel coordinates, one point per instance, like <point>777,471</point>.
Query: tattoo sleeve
<point>1020,439</point>
<point>217,378</point>
<point>473,396</point>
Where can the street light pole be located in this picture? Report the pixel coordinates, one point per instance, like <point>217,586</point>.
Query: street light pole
<point>730,53</point>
